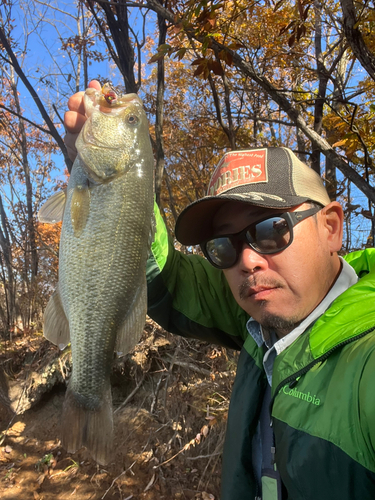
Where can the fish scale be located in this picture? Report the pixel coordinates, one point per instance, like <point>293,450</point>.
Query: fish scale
<point>107,285</point>
<point>100,302</point>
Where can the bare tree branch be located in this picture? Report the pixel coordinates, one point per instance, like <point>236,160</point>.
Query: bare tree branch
<point>248,69</point>
<point>26,119</point>
<point>355,38</point>
<point>36,98</point>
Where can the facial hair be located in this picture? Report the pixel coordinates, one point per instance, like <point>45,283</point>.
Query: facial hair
<point>279,324</point>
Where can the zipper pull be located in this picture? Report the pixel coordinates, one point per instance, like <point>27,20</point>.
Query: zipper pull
<point>294,383</point>
<point>273,451</point>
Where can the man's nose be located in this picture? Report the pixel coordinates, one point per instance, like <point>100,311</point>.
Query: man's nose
<point>250,261</point>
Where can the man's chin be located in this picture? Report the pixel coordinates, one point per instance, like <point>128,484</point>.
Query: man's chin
<point>278,324</point>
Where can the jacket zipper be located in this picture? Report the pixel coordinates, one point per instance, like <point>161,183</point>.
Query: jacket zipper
<point>292,379</point>
<point>257,486</point>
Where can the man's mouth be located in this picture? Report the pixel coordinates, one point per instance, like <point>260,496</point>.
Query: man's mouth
<point>257,291</point>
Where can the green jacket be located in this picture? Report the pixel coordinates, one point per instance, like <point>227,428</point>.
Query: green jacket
<point>323,397</point>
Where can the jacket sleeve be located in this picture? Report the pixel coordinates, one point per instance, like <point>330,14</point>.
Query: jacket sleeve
<point>188,296</point>
<point>366,404</point>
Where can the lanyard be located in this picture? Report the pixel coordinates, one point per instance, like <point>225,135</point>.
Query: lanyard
<point>271,481</point>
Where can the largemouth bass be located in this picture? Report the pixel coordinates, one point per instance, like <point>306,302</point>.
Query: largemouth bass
<point>100,301</point>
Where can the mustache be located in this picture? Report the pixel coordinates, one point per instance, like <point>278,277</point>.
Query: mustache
<point>255,281</point>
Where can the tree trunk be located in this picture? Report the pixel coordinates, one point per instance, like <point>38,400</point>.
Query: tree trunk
<point>30,246</point>
<point>7,277</point>
<point>322,85</point>
<point>118,24</point>
<point>248,69</point>
<point>355,39</point>
<point>160,161</point>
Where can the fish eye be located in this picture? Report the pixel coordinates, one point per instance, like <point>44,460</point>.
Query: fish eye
<point>132,119</point>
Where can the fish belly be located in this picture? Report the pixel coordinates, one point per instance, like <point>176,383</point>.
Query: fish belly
<point>102,289</point>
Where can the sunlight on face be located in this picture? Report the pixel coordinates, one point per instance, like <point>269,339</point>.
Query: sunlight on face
<point>281,289</point>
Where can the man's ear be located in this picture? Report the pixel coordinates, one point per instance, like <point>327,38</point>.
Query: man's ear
<point>333,220</point>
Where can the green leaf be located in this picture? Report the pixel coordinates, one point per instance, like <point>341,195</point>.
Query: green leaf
<point>164,47</point>
<point>156,58</point>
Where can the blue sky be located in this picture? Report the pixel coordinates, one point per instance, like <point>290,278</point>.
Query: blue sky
<point>46,23</point>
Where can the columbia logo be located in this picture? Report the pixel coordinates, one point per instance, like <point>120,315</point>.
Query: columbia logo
<point>305,396</point>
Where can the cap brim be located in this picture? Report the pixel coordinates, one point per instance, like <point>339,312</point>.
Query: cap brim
<point>194,224</point>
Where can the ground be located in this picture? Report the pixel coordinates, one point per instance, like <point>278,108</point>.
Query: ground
<point>170,399</point>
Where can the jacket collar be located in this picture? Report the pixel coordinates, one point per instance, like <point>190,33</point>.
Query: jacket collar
<point>351,314</point>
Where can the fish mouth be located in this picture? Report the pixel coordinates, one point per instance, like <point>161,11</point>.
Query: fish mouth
<point>96,101</point>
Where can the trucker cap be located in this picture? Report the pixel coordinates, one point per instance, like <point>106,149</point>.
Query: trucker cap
<point>263,177</point>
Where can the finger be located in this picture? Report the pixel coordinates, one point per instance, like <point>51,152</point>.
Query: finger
<point>94,84</point>
<point>75,103</point>
<point>73,121</point>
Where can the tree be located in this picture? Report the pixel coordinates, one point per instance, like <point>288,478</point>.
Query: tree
<point>212,84</point>
<point>29,139</point>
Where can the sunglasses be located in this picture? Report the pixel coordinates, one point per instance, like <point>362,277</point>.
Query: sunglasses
<point>266,236</point>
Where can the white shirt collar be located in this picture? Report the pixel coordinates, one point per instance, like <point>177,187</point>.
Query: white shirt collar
<point>346,279</point>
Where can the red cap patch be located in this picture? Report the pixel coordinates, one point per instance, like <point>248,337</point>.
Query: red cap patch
<point>238,168</point>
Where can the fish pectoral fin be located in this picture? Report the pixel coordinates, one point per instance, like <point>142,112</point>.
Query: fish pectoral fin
<point>56,325</point>
<point>132,328</point>
<point>53,209</point>
<point>80,208</point>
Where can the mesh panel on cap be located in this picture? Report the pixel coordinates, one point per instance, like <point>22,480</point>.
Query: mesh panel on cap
<point>308,183</point>
<point>279,162</point>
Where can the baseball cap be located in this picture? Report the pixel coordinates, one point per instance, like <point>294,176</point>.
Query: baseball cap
<point>263,177</point>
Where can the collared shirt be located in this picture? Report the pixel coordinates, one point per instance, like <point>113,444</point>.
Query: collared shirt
<point>346,279</point>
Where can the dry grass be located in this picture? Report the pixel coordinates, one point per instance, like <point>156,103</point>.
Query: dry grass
<point>171,398</point>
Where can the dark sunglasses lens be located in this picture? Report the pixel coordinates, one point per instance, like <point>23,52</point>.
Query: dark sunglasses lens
<point>221,252</point>
<point>269,236</point>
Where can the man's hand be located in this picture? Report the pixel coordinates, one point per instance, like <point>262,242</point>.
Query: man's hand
<point>75,118</point>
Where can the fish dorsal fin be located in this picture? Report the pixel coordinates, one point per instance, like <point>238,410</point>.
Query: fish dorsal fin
<point>56,325</point>
<point>80,208</point>
<point>53,209</point>
<point>132,328</point>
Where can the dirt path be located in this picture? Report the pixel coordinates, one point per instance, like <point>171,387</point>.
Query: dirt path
<point>34,466</point>
<point>173,453</point>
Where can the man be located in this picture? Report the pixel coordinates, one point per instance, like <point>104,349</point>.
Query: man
<point>301,423</point>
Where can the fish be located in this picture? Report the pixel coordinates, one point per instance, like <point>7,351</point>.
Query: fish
<point>100,303</point>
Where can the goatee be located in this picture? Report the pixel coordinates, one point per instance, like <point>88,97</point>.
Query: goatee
<point>269,322</point>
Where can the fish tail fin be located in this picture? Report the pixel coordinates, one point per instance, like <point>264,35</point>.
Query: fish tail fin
<point>84,426</point>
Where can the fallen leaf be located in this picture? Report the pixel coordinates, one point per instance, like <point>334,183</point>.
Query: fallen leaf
<point>204,430</point>
<point>207,496</point>
<point>41,478</point>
